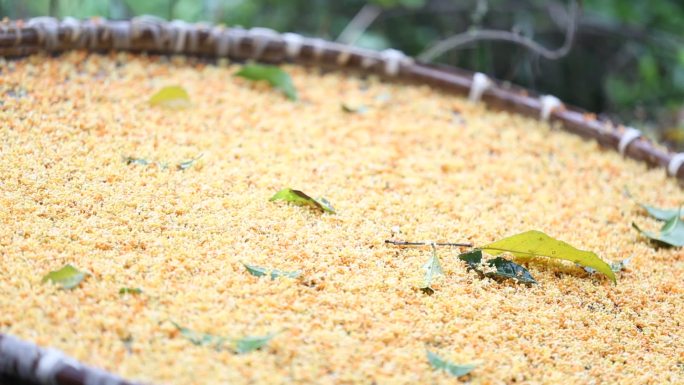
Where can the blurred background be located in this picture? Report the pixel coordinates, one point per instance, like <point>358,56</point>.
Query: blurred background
<point>620,58</point>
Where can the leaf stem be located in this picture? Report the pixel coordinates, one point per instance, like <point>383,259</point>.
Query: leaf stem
<point>404,243</point>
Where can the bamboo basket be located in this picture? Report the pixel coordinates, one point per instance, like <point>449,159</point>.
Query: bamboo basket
<point>22,362</point>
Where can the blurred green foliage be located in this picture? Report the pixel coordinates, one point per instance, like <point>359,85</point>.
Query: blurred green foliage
<point>627,61</point>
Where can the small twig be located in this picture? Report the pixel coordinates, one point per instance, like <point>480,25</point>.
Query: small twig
<point>359,24</point>
<point>489,34</point>
<point>404,243</point>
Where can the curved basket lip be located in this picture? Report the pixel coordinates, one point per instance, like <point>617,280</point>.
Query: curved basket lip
<point>23,362</point>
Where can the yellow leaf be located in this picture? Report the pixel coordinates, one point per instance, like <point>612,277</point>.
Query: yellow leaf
<point>171,97</point>
<point>535,243</point>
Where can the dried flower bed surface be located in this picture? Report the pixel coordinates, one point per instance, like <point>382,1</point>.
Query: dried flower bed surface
<point>432,164</point>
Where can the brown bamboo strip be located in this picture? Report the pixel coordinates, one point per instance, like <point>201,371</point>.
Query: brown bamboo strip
<point>22,362</point>
<point>19,51</point>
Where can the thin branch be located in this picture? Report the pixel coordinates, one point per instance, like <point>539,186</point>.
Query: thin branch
<point>359,24</point>
<point>404,243</point>
<point>488,34</point>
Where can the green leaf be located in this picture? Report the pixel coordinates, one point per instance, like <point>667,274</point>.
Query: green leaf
<point>68,277</point>
<point>239,345</point>
<point>171,97</point>
<point>261,271</point>
<point>201,339</point>
<point>248,344</point>
<point>273,75</point>
<point>472,258</point>
<point>439,363</point>
<point>503,267</point>
<point>143,162</point>
<point>535,243</point>
<point>672,232</point>
<point>136,161</point>
<point>325,205</point>
<point>188,163</point>
<point>130,290</point>
<point>658,213</point>
<point>432,269</point>
<point>508,269</point>
<point>354,109</point>
<point>300,199</point>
